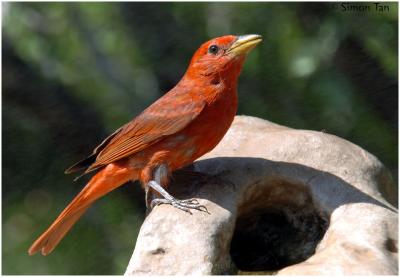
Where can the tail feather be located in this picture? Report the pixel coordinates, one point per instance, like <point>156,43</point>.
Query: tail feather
<point>109,178</point>
<point>50,239</point>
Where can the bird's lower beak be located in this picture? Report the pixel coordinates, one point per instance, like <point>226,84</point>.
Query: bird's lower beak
<point>244,44</point>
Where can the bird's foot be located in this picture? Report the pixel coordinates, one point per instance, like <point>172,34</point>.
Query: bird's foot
<point>184,205</point>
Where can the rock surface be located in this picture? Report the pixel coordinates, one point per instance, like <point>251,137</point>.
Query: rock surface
<point>293,201</point>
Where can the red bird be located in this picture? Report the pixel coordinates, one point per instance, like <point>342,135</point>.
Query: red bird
<point>178,128</point>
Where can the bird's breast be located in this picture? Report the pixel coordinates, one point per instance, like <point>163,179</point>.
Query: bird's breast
<point>207,130</point>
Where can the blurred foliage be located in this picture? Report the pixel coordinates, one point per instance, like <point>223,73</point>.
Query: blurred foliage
<point>74,72</point>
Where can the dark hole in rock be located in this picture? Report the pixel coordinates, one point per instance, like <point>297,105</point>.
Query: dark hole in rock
<point>391,245</point>
<point>272,238</point>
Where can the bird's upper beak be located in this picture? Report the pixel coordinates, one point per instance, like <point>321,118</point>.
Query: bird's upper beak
<point>244,44</point>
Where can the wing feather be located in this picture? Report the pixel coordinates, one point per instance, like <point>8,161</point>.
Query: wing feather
<point>169,115</point>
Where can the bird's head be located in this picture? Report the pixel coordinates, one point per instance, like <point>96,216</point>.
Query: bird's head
<point>222,56</point>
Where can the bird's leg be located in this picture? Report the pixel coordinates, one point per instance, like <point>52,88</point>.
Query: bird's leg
<point>185,205</point>
<point>148,197</point>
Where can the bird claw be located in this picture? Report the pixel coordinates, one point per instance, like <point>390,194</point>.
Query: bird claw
<point>191,201</point>
<point>184,205</point>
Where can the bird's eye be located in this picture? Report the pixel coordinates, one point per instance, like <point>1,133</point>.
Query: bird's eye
<point>213,49</point>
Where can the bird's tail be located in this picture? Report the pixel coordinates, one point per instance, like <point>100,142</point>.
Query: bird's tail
<point>109,178</point>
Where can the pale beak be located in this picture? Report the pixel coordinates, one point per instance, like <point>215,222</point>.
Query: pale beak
<point>244,44</point>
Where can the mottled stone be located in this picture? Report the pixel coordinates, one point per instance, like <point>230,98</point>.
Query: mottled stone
<point>293,201</point>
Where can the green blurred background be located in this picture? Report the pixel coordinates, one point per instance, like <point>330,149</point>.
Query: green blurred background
<point>72,73</point>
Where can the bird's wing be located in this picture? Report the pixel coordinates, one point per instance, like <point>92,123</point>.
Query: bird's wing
<point>88,161</point>
<point>167,116</point>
